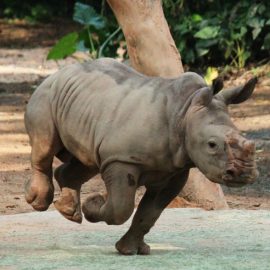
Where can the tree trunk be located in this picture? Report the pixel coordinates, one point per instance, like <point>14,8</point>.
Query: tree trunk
<point>152,51</point>
<point>150,45</point>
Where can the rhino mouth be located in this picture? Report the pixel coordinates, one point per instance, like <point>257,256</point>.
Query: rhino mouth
<point>235,184</point>
<point>239,173</point>
<point>238,182</point>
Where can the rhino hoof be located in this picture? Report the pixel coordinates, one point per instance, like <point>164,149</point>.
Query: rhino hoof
<point>39,197</point>
<point>128,248</point>
<point>40,207</point>
<point>91,207</point>
<point>143,249</point>
<point>69,212</point>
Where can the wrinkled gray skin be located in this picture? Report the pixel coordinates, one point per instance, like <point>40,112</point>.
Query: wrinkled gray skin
<point>103,116</point>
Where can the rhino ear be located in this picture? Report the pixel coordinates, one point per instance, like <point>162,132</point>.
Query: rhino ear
<point>238,94</point>
<point>203,97</point>
<point>217,85</point>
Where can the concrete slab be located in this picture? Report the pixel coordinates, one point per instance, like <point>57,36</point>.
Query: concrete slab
<point>182,239</point>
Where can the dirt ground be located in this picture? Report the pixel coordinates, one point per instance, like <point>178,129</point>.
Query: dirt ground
<point>23,66</point>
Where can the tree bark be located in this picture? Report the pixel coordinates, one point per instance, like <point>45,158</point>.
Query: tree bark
<point>152,51</point>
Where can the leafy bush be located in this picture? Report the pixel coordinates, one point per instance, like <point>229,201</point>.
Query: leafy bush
<point>98,36</point>
<point>34,11</point>
<point>220,32</point>
<point>207,33</point>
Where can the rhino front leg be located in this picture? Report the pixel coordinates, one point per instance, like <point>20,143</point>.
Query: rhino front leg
<point>70,177</point>
<point>121,180</point>
<point>151,206</point>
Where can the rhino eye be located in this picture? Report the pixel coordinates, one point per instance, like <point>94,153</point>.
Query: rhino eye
<point>212,145</point>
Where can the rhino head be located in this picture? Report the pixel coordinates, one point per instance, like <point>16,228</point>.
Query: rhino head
<point>212,141</point>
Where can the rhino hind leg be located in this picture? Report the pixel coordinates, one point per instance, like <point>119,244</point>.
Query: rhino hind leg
<point>121,181</point>
<point>70,177</point>
<point>151,206</point>
<point>45,143</point>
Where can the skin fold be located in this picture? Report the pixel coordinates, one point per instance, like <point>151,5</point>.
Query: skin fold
<point>104,117</point>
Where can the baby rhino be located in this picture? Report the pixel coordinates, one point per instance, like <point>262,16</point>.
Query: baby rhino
<point>104,117</point>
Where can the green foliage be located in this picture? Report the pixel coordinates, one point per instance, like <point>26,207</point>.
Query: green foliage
<point>97,36</point>
<point>210,74</point>
<point>64,47</point>
<point>207,33</point>
<point>86,15</point>
<point>32,10</point>
<point>266,44</point>
<point>219,32</point>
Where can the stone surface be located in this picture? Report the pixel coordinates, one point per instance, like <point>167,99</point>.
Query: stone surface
<point>181,239</point>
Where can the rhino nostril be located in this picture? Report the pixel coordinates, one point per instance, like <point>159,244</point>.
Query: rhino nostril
<point>250,146</point>
<point>230,172</point>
